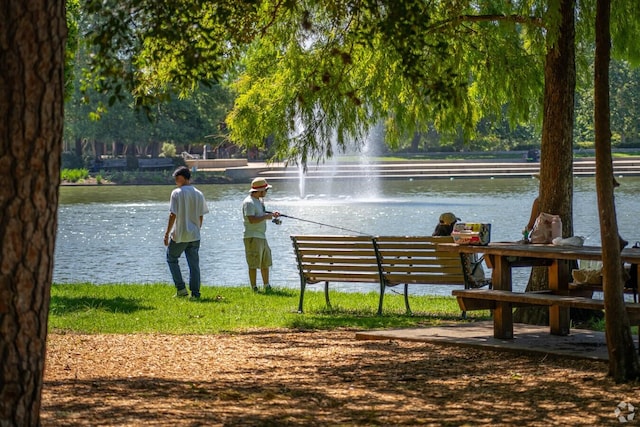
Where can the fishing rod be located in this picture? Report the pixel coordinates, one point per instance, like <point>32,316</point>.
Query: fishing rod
<point>278,222</point>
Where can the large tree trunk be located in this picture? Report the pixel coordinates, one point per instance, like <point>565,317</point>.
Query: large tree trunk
<point>32,46</point>
<point>623,360</point>
<point>556,154</point>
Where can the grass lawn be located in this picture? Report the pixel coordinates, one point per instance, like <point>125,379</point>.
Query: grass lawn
<point>152,308</point>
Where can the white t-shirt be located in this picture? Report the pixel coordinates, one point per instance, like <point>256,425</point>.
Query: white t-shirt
<point>252,206</point>
<point>188,204</point>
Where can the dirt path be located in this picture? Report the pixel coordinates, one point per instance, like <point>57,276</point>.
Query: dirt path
<point>285,378</point>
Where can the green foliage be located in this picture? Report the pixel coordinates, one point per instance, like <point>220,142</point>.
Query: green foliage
<point>74,175</point>
<point>311,78</point>
<point>71,161</point>
<point>87,308</point>
<point>73,39</point>
<point>625,107</point>
<point>625,27</point>
<point>138,177</point>
<point>168,150</point>
<point>151,48</point>
<point>325,74</point>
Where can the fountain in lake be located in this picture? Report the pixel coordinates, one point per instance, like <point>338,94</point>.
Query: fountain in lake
<point>351,173</point>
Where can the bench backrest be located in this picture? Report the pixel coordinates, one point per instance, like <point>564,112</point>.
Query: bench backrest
<point>160,162</point>
<point>336,258</point>
<point>417,260</point>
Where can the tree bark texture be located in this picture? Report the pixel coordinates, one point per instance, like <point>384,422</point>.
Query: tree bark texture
<point>556,154</point>
<point>623,360</point>
<point>32,46</point>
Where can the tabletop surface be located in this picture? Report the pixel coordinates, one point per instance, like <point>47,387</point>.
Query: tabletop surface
<point>631,255</point>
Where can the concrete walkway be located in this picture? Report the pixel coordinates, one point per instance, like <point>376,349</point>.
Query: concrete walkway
<point>418,169</point>
<point>581,343</point>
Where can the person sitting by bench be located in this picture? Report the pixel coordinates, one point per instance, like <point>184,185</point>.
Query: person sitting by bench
<point>471,263</point>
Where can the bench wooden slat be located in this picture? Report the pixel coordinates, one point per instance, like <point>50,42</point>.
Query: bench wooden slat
<point>333,246</point>
<point>416,262</point>
<point>450,270</point>
<point>354,278</point>
<point>409,246</point>
<point>413,239</point>
<point>330,238</point>
<point>355,253</point>
<point>357,264</point>
<point>346,269</point>
<point>416,279</point>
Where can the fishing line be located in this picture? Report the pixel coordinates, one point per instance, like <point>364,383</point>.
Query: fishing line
<point>590,235</point>
<point>322,224</point>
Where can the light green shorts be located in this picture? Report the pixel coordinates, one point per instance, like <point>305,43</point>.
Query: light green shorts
<point>257,252</point>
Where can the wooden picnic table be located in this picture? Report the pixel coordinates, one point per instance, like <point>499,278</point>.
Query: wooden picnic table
<point>503,256</point>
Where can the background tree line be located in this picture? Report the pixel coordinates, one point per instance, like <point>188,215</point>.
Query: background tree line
<point>96,125</point>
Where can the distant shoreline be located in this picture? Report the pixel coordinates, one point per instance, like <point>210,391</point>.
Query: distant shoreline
<point>385,170</point>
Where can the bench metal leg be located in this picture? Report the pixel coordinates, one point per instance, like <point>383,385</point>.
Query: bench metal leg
<point>302,287</point>
<point>406,299</point>
<point>326,294</point>
<point>382,289</point>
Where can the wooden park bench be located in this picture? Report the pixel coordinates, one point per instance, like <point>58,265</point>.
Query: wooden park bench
<point>109,164</point>
<point>156,163</point>
<point>386,260</point>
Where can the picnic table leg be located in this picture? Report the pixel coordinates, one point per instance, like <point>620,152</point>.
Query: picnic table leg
<point>502,314</point>
<point>558,282</point>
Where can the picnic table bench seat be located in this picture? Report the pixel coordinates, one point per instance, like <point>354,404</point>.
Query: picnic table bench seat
<point>492,299</point>
<point>386,260</point>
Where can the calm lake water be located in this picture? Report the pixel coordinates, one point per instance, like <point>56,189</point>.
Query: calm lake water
<point>113,234</point>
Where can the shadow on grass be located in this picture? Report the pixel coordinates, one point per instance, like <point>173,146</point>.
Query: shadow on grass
<point>339,317</point>
<point>65,305</point>
<point>279,292</point>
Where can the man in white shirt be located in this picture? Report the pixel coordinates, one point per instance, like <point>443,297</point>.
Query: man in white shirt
<point>186,209</point>
<point>257,251</point>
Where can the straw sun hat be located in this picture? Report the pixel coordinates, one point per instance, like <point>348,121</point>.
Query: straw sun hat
<point>259,184</point>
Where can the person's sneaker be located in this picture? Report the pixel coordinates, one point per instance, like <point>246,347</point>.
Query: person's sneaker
<point>267,288</point>
<point>194,298</point>
<point>182,293</point>
<point>254,288</point>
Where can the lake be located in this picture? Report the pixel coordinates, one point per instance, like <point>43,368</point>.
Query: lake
<point>113,234</point>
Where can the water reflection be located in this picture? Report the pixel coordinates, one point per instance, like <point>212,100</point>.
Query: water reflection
<point>113,234</point>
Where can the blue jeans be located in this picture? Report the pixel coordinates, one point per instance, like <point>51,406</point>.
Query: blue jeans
<point>190,249</point>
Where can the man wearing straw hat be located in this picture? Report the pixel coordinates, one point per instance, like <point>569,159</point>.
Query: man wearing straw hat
<point>257,251</point>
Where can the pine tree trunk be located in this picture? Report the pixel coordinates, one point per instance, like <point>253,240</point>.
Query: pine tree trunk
<point>32,47</point>
<point>556,154</point>
<point>623,360</point>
